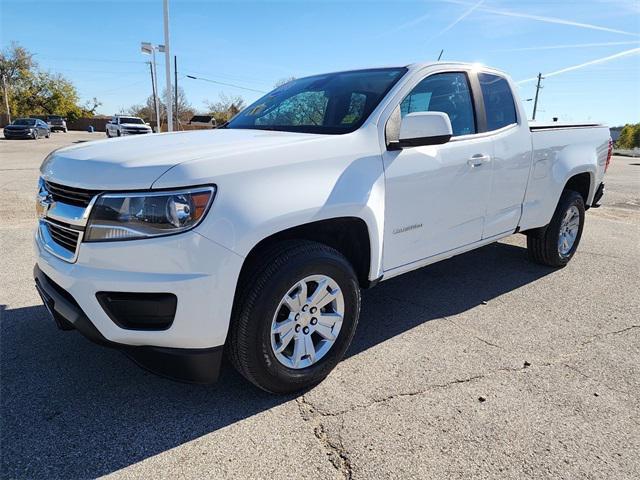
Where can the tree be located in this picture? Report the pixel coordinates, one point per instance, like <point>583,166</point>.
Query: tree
<point>629,137</point>
<point>148,109</point>
<point>32,91</point>
<point>16,64</point>
<point>225,108</point>
<point>145,110</point>
<point>90,106</point>
<point>284,81</point>
<point>185,110</point>
<point>47,93</point>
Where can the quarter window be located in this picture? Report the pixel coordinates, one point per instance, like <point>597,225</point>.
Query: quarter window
<point>498,101</point>
<point>444,92</point>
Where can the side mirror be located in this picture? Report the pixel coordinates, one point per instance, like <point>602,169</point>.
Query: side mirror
<point>423,128</point>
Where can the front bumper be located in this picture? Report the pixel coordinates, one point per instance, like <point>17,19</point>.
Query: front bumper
<point>135,132</point>
<point>17,134</point>
<point>190,365</point>
<point>200,273</point>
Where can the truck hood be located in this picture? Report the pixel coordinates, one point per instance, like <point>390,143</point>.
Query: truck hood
<point>136,162</point>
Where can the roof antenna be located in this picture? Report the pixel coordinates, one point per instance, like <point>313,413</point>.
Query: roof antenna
<point>440,56</point>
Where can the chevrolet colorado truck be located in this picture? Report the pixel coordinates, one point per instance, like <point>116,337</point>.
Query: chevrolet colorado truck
<point>255,238</point>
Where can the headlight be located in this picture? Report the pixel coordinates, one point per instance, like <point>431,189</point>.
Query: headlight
<point>126,216</point>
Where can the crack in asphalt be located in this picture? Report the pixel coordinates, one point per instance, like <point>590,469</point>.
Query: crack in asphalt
<point>604,384</point>
<point>615,332</point>
<point>334,449</point>
<point>473,334</point>
<point>318,412</point>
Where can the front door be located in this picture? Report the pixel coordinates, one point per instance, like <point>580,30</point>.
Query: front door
<point>436,196</point>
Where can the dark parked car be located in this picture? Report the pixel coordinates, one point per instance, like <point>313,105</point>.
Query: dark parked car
<point>56,122</point>
<point>27,128</point>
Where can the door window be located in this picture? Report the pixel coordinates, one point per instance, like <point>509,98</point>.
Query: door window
<point>498,101</point>
<point>444,92</point>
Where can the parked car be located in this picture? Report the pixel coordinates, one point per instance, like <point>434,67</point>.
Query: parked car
<point>56,122</point>
<point>119,126</point>
<point>33,128</point>
<point>257,237</point>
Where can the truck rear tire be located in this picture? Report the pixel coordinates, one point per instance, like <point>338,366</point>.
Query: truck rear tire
<point>556,244</point>
<point>295,316</point>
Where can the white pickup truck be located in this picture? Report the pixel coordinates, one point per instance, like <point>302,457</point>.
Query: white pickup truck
<point>257,237</point>
<point>119,126</point>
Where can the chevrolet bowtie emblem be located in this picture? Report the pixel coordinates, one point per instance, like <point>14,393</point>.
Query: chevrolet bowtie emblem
<point>43,203</point>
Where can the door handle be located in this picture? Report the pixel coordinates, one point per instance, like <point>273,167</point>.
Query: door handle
<point>478,160</point>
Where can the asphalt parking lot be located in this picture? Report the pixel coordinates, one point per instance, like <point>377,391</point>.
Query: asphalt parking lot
<point>482,366</point>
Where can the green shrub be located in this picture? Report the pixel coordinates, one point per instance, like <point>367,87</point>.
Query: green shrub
<point>629,137</point>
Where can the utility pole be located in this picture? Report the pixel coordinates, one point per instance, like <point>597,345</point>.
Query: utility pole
<point>6,96</point>
<point>535,102</point>
<point>175,85</point>
<point>167,62</point>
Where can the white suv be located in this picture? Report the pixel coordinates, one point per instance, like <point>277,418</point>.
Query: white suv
<point>119,126</point>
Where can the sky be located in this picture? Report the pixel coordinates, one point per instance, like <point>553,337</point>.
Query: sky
<point>96,44</point>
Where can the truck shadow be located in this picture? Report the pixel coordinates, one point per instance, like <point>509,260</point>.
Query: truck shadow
<point>70,409</point>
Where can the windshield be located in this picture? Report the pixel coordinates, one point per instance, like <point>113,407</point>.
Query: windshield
<point>333,103</point>
<point>131,120</point>
<point>25,121</point>
<point>54,117</point>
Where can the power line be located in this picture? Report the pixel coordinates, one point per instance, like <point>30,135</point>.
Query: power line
<point>632,51</point>
<point>120,88</point>
<point>225,84</point>
<point>226,77</point>
<point>97,60</point>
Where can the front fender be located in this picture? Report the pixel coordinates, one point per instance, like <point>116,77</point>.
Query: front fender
<point>252,205</point>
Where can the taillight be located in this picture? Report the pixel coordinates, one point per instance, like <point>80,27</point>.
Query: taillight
<point>609,155</point>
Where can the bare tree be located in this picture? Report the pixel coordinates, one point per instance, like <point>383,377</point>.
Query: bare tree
<point>284,81</point>
<point>225,108</point>
<point>147,110</point>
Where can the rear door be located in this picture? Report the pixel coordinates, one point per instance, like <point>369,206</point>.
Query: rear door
<point>512,154</point>
<point>436,196</point>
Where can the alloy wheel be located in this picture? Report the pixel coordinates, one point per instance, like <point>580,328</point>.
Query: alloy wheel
<point>307,321</point>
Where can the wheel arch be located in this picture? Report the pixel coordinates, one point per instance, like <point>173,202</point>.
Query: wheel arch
<point>582,183</point>
<point>348,235</point>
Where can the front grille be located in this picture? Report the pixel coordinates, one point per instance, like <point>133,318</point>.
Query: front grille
<point>79,197</point>
<point>67,238</point>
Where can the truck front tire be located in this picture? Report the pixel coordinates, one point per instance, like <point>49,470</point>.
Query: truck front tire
<point>295,316</point>
<point>556,244</point>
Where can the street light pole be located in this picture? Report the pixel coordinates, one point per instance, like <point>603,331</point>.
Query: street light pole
<point>167,63</point>
<point>150,49</point>
<point>156,94</point>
